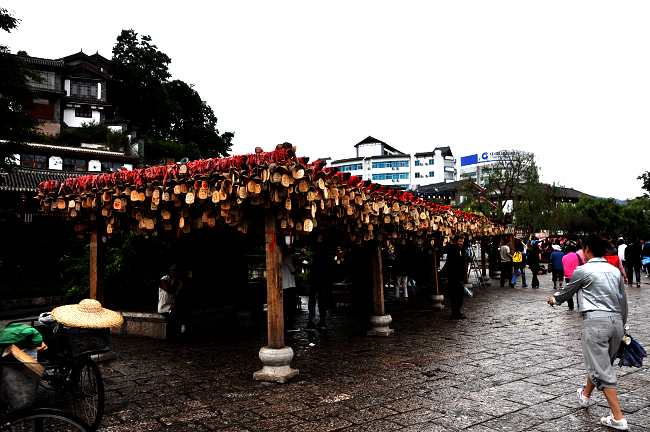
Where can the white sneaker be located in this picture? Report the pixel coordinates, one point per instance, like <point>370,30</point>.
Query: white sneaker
<point>615,424</point>
<point>583,400</point>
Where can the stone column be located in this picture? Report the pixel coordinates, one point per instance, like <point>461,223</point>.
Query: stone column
<point>380,321</point>
<point>276,358</point>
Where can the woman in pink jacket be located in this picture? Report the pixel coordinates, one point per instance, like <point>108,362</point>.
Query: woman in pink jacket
<point>570,261</point>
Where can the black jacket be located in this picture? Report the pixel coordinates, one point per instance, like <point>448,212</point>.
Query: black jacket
<point>454,267</point>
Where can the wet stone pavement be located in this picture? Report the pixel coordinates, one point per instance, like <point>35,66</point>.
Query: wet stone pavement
<point>513,365</point>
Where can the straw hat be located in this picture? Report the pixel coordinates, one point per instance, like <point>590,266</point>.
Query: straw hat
<point>88,313</point>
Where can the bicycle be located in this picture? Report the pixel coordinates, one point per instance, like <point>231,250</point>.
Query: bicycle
<point>71,376</point>
<point>41,420</point>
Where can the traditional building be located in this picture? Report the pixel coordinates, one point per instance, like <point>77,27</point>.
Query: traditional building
<point>69,91</point>
<point>384,164</point>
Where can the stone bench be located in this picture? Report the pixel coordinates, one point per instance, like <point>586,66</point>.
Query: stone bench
<point>145,324</point>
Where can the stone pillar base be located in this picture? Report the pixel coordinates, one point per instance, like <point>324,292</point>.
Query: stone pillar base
<point>276,367</point>
<point>438,302</point>
<point>381,326</point>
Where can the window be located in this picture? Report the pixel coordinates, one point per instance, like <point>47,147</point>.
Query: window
<point>391,164</point>
<point>417,162</point>
<point>431,173</point>
<point>350,167</point>
<point>71,164</point>
<point>391,176</point>
<point>418,175</point>
<point>33,161</point>
<point>83,89</point>
<point>111,166</point>
<point>430,161</point>
<point>83,111</point>
<point>42,80</point>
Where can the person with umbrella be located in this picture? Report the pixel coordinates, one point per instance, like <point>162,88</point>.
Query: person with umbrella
<point>600,290</point>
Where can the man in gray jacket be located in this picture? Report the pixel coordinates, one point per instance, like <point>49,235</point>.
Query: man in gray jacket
<point>600,288</point>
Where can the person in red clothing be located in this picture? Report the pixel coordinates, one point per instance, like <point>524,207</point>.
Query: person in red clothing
<point>570,261</point>
<point>612,258</point>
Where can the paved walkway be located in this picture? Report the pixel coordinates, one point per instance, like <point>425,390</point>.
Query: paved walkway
<point>513,365</point>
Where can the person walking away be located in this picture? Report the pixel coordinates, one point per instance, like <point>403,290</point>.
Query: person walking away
<point>400,267</point>
<point>633,262</point>
<point>454,270</point>
<point>519,264</point>
<point>645,257</point>
<point>320,283</point>
<point>621,254</point>
<point>611,255</point>
<point>505,259</point>
<point>169,287</point>
<point>533,260</point>
<point>603,304</point>
<point>555,264</point>
<point>570,261</point>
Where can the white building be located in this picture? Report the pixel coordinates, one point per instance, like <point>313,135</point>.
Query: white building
<point>385,165</point>
<point>477,166</point>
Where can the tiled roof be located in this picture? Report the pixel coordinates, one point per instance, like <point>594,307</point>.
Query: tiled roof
<point>57,150</point>
<point>38,61</point>
<point>369,140</point>
<point>373,140</point>
<point>22,179</point>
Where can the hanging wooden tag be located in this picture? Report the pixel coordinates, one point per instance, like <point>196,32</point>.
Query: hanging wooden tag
<point>189,198</point>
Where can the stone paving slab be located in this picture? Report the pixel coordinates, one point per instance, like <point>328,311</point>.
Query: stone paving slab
<point>513,365</point>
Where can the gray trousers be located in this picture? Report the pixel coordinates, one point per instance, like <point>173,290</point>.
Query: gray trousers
<point>601,338</point>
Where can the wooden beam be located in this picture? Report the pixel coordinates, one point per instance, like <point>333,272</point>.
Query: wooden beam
<point>95,270</point>
<point>377,280</point>
<point>275,312</point>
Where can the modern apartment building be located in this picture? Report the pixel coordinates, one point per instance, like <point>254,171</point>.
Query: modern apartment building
<point>384,164</point>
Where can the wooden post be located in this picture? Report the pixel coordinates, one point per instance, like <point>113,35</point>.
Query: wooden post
<point>380,321</point>
<point>377,281</point>
<point>274,302</point>
<point>275,357</point>
<point>95,270</point>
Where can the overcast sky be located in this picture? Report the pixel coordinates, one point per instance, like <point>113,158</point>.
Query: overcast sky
<point>568,80</point>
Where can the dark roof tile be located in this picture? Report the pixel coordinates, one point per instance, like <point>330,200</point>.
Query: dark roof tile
<point>22,179</point>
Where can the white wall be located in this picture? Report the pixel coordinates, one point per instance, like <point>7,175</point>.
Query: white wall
<point>55,163</point>
<point>72,121</point>
<point>367,150</point>
<point>94,165</point>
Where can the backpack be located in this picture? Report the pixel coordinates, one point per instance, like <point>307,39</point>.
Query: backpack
<point>517,257</point>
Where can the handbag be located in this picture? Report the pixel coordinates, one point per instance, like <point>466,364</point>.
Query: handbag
<point>630,353</point>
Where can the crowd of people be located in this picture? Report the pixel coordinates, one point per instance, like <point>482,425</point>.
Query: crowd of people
<point>563,255</point>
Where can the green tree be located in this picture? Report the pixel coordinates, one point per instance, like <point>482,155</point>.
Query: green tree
<point>645,178</point>
<point>513,169</point>
<point>168,116</point>
<point>15,124</point>
<point>535,206</point>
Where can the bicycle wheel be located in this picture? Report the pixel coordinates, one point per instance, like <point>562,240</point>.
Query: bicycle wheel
<point>42,420</point>
<point>87,392</point>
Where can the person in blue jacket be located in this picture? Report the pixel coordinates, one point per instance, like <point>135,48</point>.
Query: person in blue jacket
<point>555,264</point>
